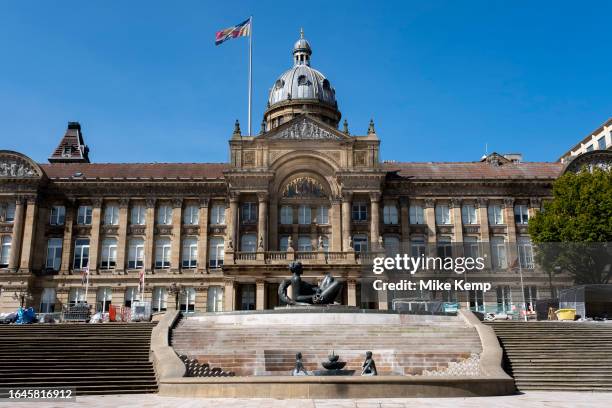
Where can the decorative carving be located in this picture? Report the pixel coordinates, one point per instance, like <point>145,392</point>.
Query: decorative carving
<point>303,187</point>
<point>204,201</point>
<point>137,229</point>
<point>535,202</point>
<point>124,203</point>
<point>96,202</point>
<point>430,203</point>
<point>177,202</point>
<point>455,203</point>
<point>360,158</point>
<point>13,166</point>
<point>508,202</point>
<point>305,130</point>
<point>248,158</point>
<point>262,196</point>
<point>150,202</point>
<point>590,160</point>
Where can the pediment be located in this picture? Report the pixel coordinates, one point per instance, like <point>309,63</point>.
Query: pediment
<point>304,127</point>
<point>15,165</point>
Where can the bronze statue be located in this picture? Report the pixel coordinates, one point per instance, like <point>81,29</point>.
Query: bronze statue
<point>304,293</point>
<point>368,366</point>
<point>299,366</point>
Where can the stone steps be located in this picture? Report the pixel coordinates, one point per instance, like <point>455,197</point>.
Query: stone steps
<point>558,356</point>
<point>110,358</point>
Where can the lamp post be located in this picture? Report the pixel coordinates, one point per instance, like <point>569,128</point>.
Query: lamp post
<point>176,290</point>
<point>22,296</point>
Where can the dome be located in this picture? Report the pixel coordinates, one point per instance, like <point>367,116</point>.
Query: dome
<point>302,81</point>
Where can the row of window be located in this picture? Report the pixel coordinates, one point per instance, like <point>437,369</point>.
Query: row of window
<point>191,215</point>
<point>104,298</point>
<point>304,215</point>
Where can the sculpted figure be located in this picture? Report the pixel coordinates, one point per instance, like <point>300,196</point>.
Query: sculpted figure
<point>299,366</point>
<point>368,366</point>
<point>304,293</point>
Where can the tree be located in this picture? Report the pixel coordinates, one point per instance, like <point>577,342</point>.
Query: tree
<point>573,233</point>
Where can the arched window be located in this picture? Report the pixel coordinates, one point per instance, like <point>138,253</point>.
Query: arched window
<point>5,251</point>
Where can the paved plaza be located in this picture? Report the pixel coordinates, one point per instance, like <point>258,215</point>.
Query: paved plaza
<point>531,400</point>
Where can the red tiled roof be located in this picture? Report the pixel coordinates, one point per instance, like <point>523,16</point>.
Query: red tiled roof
<point>136,170</point>
<point>475,170</point>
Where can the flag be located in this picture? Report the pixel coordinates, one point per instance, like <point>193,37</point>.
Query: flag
<point>84,275</point>
<point>241,30</point>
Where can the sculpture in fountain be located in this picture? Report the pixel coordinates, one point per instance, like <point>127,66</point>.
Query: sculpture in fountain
<point>304,293</point>
<point>368,366</point>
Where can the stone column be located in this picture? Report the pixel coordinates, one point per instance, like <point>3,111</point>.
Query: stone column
<point>336,225</point>
<point>405,224</point>
<point>483,220</point>
<point>430,219</point>
<point>27,245</point>
<point>149,243</point>
<point>94,235</point>
<point>457,220</point>
<point>67,241</point>
<point>229,295</point>
<point>383,302</point>
<point>124,205</point>
<point>262,221</point>
<point>203,235</point>
<point>511,229</point>
<point>232,222</point>
<point>374,220</point>
<point>346,221</point>
<point>351,286</point>
<point>175,246</point>
<point>273,226</point>
<point>17,235</point>
<point>260,294</point>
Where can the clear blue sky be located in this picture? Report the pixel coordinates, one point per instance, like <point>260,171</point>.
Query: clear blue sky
<point>440,78</point>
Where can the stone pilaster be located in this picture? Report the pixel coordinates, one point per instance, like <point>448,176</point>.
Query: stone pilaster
<point>94,236</point>
<point>346,221</point>
<point>483,220</point>
<point>260,294</point>
<point>17,234</point>
<point>67,241</point>
<point>336,225</point>
<point>27,246</point>
<point>457,219</point>
<point>177,221</point>
<point>511,228</point>
<point>229,295</point>
<point>430,220</point>
<point>149,235</point>
<point>232,221</point>
<point>273,226</point>
<point>262,222</point>
<point>383,302</point>
<point>374,220</point>
<point>535,204</point>
<point>351,286</point>
<point>203,235</point>
<point>405,223</point>
<point>124,204</point>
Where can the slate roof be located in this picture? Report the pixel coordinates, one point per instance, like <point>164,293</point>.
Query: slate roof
<point>474,170</point>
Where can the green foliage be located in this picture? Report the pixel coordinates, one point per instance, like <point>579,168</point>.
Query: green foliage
<point>574,231</point>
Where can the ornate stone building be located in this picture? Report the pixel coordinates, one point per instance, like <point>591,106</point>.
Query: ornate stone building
<point>223,233</point>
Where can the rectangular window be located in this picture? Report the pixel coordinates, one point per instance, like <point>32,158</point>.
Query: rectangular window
<point>417,247</point>
<point>217,214</point>
<point>445,247</point>
<point>5,251</point>
<point>138,215</point>
<point>54,254</point>
<point>84,215</point>
<point>589,148</point>
<point>471,247</point>
<point>164,215</point>
<point>249,213</point>
<point>443,214</point>
<point>304,215</point>
<point>476,300</point>
<point>525,252</point>
<point>76,296</point>
<point>323,215</point>
<point>504,299</point>
<point>323,244</point>
<point>247,296</point>
<point>187,300</point>
<point>7,211</point>
<point>104,299</point>
<point>162,253</point>
<point>136,253</point>
<point>284,243</point>
<point>131,295</point>
<point>108,257</point>
<point>216,252</point>
<point>190,253</point>
<point>360,211</point>
<point>601,143</point>
<point>391,245</point>
<point>468,214</point>
<point>304,243</point>
<point>214,301</point>
<point>390,215</point>
<point>111,215</point>
<point>498,251</point>
<point>47,300</point>
<point>417,215</point>
<point>191,215</point>
<point>496,214</point>
<point>360,243</point>
<point>521,214</point>
<point>248,243</point>
<point>286,215</point>
<point>160,299</point>
<point>58,215</point>
<point>531,295</point>
<point>81,253</point>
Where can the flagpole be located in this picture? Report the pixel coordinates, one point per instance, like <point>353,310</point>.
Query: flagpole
<point>250,69</point>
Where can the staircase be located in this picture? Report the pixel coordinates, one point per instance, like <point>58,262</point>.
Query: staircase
<point>558,356</point>
<point>266,344</point>
<point>110,358</point>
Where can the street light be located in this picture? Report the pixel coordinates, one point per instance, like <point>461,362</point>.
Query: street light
<point>22,296</point>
